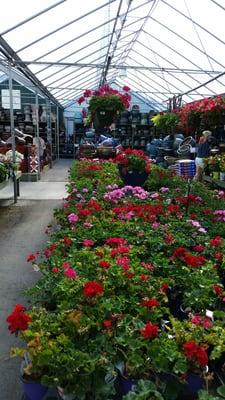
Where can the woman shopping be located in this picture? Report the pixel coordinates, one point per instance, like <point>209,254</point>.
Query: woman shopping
<point>203,151</point>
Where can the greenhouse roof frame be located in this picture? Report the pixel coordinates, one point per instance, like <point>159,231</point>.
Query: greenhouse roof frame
<point>166,48</point>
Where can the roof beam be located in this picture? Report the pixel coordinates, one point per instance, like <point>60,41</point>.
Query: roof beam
<point>194,22</point>
<point>32,17</point>
<point>107,56</point>
<point>122,67</point>
<point>170,62</point>
<point>187,41</point>
<point>65,26</point>
<point>13,57</point>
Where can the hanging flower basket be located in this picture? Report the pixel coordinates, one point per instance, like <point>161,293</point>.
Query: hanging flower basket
<point>105,104</point>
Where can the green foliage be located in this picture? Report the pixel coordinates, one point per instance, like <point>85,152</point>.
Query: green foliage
<point>3,172</point>
<point>109,102</point>
<point>146,390</point>
<point>165,121</point>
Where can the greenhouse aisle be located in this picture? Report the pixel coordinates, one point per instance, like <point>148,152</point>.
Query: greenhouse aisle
<point>22,231</point>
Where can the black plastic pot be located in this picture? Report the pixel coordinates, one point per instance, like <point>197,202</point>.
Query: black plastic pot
<point>133,178</point>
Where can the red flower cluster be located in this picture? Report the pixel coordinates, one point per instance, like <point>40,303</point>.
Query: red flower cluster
<point>147,212</point>
<point>202,321</point>
<point>150,331</point>
<point>106,90</point>
<point>150,303</point>
<point>218,290</point>
<point>194,261</point>
<point>32,257</point>
<point>116,241</point>
<point>49,250</point>
<point>119,250</point>
<point>204,108</point>
<point>67,241</point>
<point>216,242</point>
<point>179,252</point>
<point>107,324</point>
<point>18,320</point>
<point>92,288</point>
<point>195,353</point>
<point>104,264</point>
<point>189,259</point>
<point>199,248</point>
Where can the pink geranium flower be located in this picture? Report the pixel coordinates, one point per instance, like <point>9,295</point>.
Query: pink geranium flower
<point>88,242</point>
<point>73,218</point>
<point>70,273</point>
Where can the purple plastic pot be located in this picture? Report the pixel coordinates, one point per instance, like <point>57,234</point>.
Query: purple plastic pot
<point>193,385</point>
<point>33,390</point>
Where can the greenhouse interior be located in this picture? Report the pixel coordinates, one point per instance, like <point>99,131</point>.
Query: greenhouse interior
<point>112,200</point>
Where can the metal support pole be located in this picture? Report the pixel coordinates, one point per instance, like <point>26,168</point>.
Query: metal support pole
<point>188,196</point>
<point>12,131</point>
<point>38,135</point>
<point>49,129</point>
<point>57,132</point>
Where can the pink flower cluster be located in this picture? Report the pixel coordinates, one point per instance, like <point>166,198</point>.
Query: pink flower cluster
<point>220,215</point>
<point>197,225</point>
<point>73,218</point>
<point>106,90</point>
<point>115,195</point>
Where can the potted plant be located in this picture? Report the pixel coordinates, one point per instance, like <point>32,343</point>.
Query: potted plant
<point>134,166</point>
<point>3,174</point>
<point>105,104</point>
<point>18,323</point>
<point>166,121</point>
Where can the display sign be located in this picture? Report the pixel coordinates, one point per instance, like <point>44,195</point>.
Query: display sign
<point>16,99</point>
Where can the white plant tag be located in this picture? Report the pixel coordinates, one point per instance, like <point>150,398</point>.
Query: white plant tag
<point>209,314</point>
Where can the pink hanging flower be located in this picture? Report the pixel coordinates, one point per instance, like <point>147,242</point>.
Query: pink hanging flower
<point>126,88</point>
<point>81,100</point>
<point>70,273</point>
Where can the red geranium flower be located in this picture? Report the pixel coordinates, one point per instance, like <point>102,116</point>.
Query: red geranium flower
<point>104,264</point>
<point>144,278</point>
<point>67,241</point>
<point>218,256</point>
<point>18,320</point>
<point>84,213</point>
<point>164,287</point>
<point>88,242</point>
<point>196,353</point>
<point>55,270</point>
<point>217,241</point>
<point>116,241</point>
<point>218,290</point>
<point>194,261</point>
<point>199,248</point>
<point>107,324</point>
<point>92,288</point>
<point>31,257</point>
<point>150,331</point>
<point>179,252</point>
<point>150,303</point>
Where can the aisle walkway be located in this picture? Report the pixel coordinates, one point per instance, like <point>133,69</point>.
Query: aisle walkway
<point>22,228</point>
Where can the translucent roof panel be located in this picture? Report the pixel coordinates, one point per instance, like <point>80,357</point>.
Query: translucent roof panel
<point>160,48</point>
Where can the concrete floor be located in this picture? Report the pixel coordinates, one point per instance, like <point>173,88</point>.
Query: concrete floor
<point>22,231</point>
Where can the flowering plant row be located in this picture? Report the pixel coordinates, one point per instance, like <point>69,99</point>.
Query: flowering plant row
<point>127,280</point>
<point>206,112</point>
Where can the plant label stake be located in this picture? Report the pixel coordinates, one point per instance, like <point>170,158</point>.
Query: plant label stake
<point>187,169</point>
